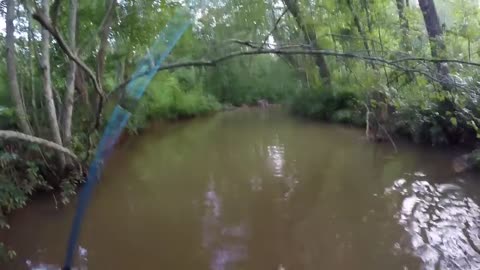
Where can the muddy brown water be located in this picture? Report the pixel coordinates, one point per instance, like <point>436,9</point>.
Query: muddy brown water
<point>258,189</point>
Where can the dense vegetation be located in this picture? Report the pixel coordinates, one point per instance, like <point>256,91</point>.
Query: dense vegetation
<point>403,67</point>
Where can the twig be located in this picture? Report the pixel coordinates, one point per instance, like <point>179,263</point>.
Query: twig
<point>389,137</point>
<point>55,201</point>
<point>367,121</point>
<point>367,128</point>
<point>274,27</point>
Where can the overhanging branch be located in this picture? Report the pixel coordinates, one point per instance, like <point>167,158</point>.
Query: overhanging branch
<point>304,50</point>
<point>47,24</point>
<point>14,135</point>
<point>41,18</point>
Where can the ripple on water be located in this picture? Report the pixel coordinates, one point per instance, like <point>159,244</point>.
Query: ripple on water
<point>442,223</point>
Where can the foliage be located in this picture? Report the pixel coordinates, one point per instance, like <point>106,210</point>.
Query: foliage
<point>339,106</point>
<point>173,96</point>
<point>245,81</point>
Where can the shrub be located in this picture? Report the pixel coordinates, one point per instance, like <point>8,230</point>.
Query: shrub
<point>328,105</point>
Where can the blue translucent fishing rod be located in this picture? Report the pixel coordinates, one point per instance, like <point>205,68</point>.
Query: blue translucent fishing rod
<point>146,70</point>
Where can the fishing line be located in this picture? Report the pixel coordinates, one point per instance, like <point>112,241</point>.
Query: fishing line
<point>146,70</point>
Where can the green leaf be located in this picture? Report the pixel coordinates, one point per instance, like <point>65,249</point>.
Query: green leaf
<point>453,120</point>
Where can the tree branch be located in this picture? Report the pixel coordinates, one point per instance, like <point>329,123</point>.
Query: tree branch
<point>274,27</point>
<point>15,135</point>
<point>45,22</point>
<point>433,60</point>
<point>303,51</point>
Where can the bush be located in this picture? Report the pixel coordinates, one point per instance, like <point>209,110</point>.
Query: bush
<point>435,117</point>
<point>327,105</point>
<point>245,81</point>
<point>167,98</point>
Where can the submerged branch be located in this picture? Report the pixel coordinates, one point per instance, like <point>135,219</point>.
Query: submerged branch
<point>15,135</point>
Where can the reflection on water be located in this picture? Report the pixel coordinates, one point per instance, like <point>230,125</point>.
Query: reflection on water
<point>82,262</point>
<point>276,158</point>
<point>442,223</point>
<point>224,243</point>
<point>256,189</point>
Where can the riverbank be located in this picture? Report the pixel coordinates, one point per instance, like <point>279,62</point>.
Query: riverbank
<point>438,121</point>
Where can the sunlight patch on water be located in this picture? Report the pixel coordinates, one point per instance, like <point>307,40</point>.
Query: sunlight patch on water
<point>276,158</point>
<point>442,224</point>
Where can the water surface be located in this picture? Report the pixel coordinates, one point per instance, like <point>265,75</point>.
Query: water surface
<point>257,189</point>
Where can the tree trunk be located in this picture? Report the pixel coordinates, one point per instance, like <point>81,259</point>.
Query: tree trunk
<point>68,99</point>
<point>310,37</point>
<point>12,70</point>
<point>360,30</point>
<point>33,54</point>
<point>47,85</point>
<point>81,86</point>
<point>101,55</point>
<point>435,34</point>
<point>103,35</point>
<point>406,45</point>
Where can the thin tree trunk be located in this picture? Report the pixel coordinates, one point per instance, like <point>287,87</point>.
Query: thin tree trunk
<point>406,45</point>
<point>12,70</point>
<point>81,86</point>
<point>102,51</point>
<point>68,99</point>
<point>47,85</point>
<point>435,34</point>
<point>103,35</point>
<point>31,71</point>
<point>366,8</point>
<point>310,37</point>
<point>360,30</point>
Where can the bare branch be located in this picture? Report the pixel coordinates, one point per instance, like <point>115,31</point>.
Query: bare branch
<point>433,60</point>
<point>15,135</point>
<point>304,51</point>
<point>274,27</point>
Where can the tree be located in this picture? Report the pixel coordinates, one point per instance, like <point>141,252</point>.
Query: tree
<point>310,37</point>
<point>70,91</point>
<point>435,34</point>
<point>405,43</point>
<point>47,85</point>
<point>12,70</point>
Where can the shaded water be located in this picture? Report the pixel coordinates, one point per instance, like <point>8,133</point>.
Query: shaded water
<point>259,190</point>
